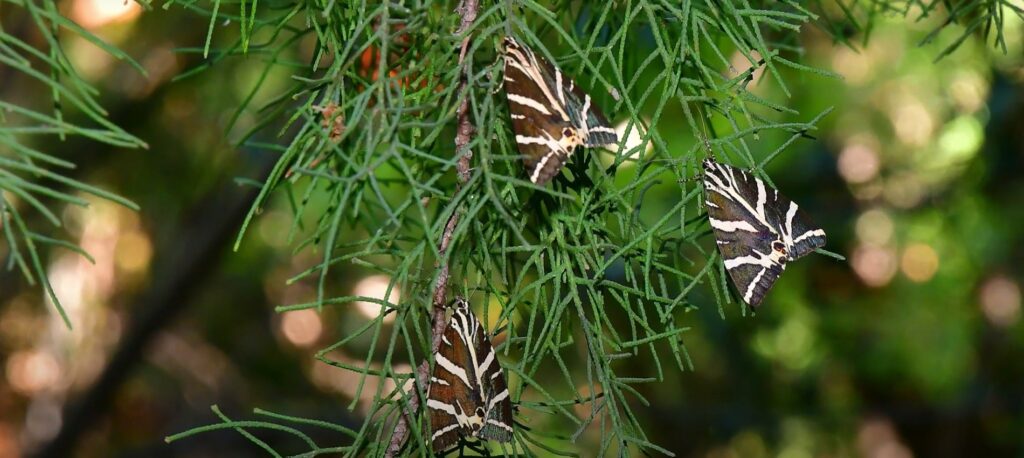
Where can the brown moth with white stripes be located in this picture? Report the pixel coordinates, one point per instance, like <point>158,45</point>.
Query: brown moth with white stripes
<point>551,116</point>
<point>467,395</point>
<point>757,229</point>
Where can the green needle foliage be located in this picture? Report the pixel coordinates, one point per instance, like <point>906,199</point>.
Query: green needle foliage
<point>984,18</point>
<point>578,280</point>
<point>35,183</point>
<point>586,291</point>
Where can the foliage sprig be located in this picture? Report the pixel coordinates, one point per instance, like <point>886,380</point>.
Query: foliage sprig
<point>33,181</point>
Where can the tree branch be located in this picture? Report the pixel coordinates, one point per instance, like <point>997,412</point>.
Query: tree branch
<point>468,10</point>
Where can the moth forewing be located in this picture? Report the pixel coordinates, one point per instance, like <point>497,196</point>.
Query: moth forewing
<point>551,116</point>
<point>596,130</point>
<point>804,235</point>
<point>757,229</point>
<point>498,423</point>
<point>453,397</point>
<point>463,388</point>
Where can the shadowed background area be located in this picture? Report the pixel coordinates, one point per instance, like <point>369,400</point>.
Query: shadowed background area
<point>912,346</point>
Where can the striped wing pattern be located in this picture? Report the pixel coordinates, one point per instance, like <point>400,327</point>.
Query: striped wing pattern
<point>757,229</point>
<point>551,116</point>
<point>467,395</point>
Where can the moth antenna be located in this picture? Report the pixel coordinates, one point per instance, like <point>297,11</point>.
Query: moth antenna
<point>705,137</point>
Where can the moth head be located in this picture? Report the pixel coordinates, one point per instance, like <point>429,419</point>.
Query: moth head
<point>779,253</point>
<point>570,139</point>
<point>710,166</point>
<point>510,42</point>
<point>476,422</point>
<point>460,304</point>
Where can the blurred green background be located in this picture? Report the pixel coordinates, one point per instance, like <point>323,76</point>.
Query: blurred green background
<point>914,346</point>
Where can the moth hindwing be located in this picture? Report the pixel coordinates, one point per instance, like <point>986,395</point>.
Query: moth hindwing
<point>551,116</point>
<point>757,229</point>
<point>467,395</point>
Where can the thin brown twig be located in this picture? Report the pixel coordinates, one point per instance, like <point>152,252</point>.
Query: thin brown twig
<point>468,10</point>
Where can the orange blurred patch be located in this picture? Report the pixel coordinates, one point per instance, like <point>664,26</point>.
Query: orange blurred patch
<point>920,262</point>
<point>8,441</point>
<point>369,60</point>
<point>302,328</point>
<point>29,372</point>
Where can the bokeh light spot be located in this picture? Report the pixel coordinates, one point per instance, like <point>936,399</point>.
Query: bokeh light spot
<point>920,262</point>
<point>376,287</point>
<point>878,438</point>
<point>33,371</point>
<point>858,163</point>
<point>1000,301</point>
<point>913,123</point>
<point>739,63</point>
<point>631,145</point>
<point>969,91</point>
<point>874,227</point>
<point>794,343</point>
<point>959,141</point>
<point>133,251</point>
<point>93,14</point>
<point>42,420</point>
<point>874,265</point>
<point>853,65</point>
<point>904,191</point>
<point>302,327</point>
<point>868,191</point>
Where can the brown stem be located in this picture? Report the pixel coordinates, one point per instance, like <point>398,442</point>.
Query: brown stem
<point>468,10</point>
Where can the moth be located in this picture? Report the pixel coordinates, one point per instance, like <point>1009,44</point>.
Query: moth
<point>551,116</point>
<point>467,395</point>
<point>757,229</point>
